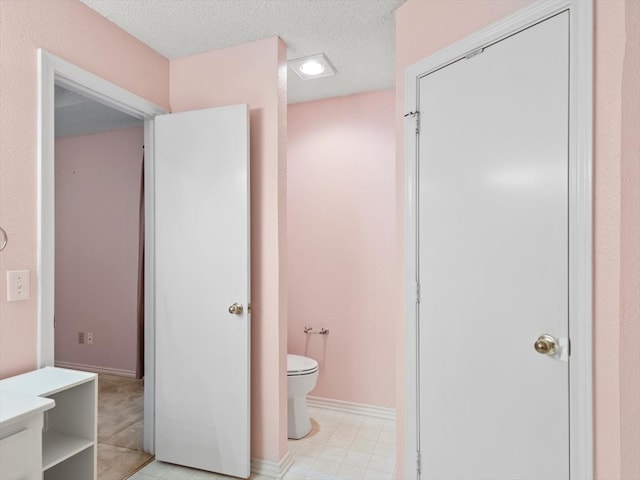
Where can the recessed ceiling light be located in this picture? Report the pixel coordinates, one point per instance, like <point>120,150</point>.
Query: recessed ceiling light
<point>311,67</point>
<point>314,66</point>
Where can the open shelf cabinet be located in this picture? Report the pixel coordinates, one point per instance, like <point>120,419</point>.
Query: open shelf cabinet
<point>69,438</point>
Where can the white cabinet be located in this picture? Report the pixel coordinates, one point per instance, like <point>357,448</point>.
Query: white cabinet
<point>69,437</point>
<point>21,421</point>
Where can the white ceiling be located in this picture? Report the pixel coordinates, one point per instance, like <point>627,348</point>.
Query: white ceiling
<point>77,115</point>
<point>356,35</point>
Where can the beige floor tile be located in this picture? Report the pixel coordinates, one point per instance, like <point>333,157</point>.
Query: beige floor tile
<point>351,472</point>
<point>370,433</point>
<point>359,459</point>
<point>340,447</point>
<point>363,445</point>
<point>318,438</point>
<point>335,454</point>
<point>176,472</point>
<point>385,449</point>
<point>382,464</point>
<point>294,445</point>
<point>325,467</point>
<point>302,461</point>
<point>294,475</point>
<point>352,419</point>
<point>342,441</point>
<point>309,450</point>
<point>374,422</point>
<point>332,416</point>
<point>387,437</point>
<point>141,476</point>
<point>202,475</point>
<point>156,468</point>
<point>346,429</point>
<point>389,426</point>
<point>375,475</point>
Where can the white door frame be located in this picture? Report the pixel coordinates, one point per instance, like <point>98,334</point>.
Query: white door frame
<point>580,218</point>
<point>53,70</point>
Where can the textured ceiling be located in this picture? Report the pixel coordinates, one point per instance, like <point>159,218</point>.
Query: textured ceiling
<point>356,35</point>
<point>77,115</point>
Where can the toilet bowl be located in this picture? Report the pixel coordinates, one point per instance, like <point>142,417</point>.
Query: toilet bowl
<point>302,374</point>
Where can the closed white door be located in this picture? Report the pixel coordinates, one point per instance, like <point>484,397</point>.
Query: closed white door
<point>493,255</point>
<point>202,269</point>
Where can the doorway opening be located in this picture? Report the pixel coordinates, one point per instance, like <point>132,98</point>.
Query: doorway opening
<point>99,237</point>
<point>55,72</point>
<point>99,267</point>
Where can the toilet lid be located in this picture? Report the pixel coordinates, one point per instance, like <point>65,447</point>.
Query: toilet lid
<point>299,365</point>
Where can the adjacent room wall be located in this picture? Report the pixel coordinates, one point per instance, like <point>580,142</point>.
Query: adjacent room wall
<point>255,74</point>
<point>341,243</point>
<point>425,27</point>
<point>76,33</point>
<point>98,180</point>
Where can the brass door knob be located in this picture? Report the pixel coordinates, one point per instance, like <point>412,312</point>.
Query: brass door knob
<point>235,309</point>
<point>545,344</point>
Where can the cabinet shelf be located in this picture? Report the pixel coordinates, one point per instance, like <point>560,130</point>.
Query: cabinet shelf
<point>69,441</point>
<point>58,446</point>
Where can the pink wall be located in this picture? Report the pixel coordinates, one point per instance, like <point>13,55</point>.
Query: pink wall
<point>76,33</point>
<point>630,249</point>
<point>341,243</point>
<point>425,27</point>
<point>616,240</point>
<point>97,243</point>
<point>255,73</point>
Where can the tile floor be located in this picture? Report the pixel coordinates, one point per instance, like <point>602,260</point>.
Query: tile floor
<point>341,446</point>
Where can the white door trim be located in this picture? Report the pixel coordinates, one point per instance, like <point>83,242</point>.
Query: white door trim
<point>580,217</point>
<point>53,70</point>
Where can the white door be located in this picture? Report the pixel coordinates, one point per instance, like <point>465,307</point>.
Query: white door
<point>202,269</point>
<point>493,254</point>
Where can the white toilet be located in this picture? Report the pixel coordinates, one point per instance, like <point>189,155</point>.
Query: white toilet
<point>302,374</point>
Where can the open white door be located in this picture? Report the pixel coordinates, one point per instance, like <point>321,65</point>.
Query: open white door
<point>202,269</point>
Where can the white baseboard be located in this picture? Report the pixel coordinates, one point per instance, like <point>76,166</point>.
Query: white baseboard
<point>272,469</point>
<point>351,407</point>
<point>96,369</point>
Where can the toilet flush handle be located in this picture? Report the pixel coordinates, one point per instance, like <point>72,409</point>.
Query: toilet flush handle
<point>236,309</point>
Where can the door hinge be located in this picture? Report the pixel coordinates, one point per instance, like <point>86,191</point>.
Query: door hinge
<point>416,118</point>
<point>418,462</point>
<point>473,53</point>
<point>417,292</point>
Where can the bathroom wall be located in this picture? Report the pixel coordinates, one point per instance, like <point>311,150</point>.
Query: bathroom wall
<point>341,243</point>
<point>219,78</point>
<point>425,27</point>
<point>98,180</point>
<point>78,34</point>
<point>630,249</point>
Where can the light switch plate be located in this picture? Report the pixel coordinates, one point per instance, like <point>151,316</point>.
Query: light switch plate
<point>17,285</point>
